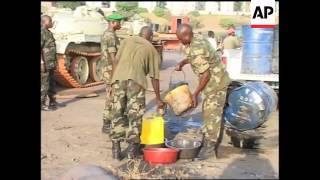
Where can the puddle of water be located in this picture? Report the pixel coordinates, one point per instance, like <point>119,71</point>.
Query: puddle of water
<point>175,124</point>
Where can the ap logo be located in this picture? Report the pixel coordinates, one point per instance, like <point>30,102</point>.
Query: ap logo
<point>263,13</point>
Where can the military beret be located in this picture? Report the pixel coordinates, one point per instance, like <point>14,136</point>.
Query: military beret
<point>115,17</point>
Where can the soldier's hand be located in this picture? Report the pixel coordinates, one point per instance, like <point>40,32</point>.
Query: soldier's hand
<point>160,106</point>
<point>178,67</point>
<point>194,101</point>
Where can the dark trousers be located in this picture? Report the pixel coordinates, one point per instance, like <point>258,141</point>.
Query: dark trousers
<point>52,85</point>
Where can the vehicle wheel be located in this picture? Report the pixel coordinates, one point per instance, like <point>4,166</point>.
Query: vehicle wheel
<point>248,143</point>
<point>235,141</point>
<point>80,69</point>
<point>96,66</point>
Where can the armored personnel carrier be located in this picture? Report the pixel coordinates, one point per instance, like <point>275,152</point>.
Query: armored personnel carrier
<point>78,35</point>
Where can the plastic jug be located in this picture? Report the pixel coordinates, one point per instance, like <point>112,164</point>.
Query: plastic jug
<point>179,97</point>
<point>152,130</point>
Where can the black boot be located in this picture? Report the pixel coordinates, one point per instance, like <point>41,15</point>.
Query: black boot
<point>208,149</point>
<point>52,103</point>
<point>44,107</point>
<point>133,150</point>
<point>116,150</point>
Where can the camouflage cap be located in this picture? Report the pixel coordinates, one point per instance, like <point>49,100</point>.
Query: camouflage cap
<point>115,17</point>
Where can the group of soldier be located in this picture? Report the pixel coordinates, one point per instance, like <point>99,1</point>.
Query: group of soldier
<point>127,65</point>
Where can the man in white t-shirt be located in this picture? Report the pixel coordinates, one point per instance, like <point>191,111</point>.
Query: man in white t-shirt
<point>212,40</point>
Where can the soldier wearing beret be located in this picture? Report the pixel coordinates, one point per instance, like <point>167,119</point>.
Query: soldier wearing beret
<point>109,47</point>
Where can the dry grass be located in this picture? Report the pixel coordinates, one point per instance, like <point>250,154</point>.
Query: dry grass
<point>155,19</point>
<point>134,171</point>
<point>212,22</point>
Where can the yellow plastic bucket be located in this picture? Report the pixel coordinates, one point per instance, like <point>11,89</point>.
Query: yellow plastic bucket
<point>152,130</point>
<point>179,97</point>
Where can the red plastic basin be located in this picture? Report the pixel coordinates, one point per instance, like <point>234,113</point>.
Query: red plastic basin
<point>160,155</point>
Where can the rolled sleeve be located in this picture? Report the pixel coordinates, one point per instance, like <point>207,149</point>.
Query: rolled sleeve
<point>154,66</point>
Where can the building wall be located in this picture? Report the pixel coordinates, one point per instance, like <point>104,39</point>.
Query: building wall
<point>211,7</point>
<point>180,7</point>
<point>46,4</point>
<point>226,7</point>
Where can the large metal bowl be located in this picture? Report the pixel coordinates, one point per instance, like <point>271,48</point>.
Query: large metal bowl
<point>188,149</point>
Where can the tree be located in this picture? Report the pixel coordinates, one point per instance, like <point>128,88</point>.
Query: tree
<point>195,23</point>
<point>68,4</point>
<point>237,6</point>
<point>161,4</point>
<point>127,8</point>
<point>194,13</point>
<point>200,5</point>
<point>142,10</point>
<point>158,11</point>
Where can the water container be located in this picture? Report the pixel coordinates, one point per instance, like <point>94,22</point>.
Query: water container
<point>257,50</point>
<point>178,97</point>
<point>239,32</point>
<point>275,62</point>
<point>250,105</point>
<point>152,130</point>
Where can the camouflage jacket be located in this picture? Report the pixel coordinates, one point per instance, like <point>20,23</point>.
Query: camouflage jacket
<point>48,47</point>
<point>203,57</point>
<point>109,44</point>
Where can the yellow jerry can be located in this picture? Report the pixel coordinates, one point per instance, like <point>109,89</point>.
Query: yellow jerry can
<point>179,97</point>
<point>152,130</point>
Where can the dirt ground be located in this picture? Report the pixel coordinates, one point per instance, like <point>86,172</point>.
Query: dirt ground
<point>72,135</point>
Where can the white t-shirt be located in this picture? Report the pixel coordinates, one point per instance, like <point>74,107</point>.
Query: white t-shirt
<point>213,43</point>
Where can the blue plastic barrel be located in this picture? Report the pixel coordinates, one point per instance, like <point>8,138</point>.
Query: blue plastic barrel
<point>239,32</point>
<point>250,105</point>
<point>257,50</point>
<point>275,62</point>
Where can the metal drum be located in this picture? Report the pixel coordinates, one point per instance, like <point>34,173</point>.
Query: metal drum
<point>250,105</point>
<point>257,50</point>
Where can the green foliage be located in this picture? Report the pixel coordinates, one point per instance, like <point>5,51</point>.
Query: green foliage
<point>167,15</point>
<point>237,6</point>
<point>194,13</point>
<point>127,8</point>
<point>126,5</point>
<point>159,11</point>
<point>227,22</point>
<point>195,23</point>
<point>142,10</point>
<point>68,4</point>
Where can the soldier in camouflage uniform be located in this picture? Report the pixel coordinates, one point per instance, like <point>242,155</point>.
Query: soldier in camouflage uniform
<point>109,46</point>
<point>48,63</point>
<point>213,82</point>
<point>136,58</point>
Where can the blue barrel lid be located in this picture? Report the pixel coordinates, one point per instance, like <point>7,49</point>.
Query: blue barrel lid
<point>250,105</point>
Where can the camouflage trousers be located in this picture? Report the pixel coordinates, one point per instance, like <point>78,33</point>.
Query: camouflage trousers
<point>44,86</point>
<point>52,85</point>
<point>212,108</point>
<point>106,77</point>
<point>127,107</point>
<point>107,106</point>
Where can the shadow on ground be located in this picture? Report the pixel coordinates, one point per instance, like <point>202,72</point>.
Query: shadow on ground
<point>241,167</point>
